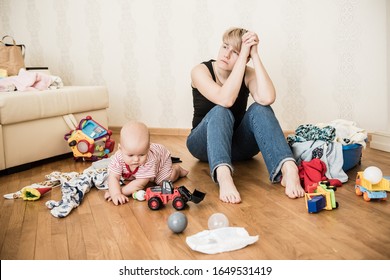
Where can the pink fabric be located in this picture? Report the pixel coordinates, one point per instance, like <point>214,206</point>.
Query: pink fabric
<point>26,81</point>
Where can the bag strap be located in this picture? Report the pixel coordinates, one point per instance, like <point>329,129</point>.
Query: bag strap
<point>13,40</point>
<point>23,47</point>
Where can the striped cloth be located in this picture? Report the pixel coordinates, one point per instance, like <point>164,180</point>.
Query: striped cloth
<point>158,166</point>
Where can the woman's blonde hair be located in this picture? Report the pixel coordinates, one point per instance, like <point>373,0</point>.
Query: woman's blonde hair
<point>233,37</point>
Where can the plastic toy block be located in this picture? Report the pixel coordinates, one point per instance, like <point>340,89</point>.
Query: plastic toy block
<point>316,204</point>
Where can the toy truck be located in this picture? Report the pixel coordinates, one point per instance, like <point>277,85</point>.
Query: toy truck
<point>371,191</point>
<point>321,196</point>
<point>158,196</point>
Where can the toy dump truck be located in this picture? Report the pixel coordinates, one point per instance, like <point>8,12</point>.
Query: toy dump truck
<point>372,191</point>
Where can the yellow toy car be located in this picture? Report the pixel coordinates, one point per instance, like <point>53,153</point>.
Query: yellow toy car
<point>371,191</point>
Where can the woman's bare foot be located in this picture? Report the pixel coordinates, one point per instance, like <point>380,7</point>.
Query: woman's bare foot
<point>291,181</point>
<point>227,190</point>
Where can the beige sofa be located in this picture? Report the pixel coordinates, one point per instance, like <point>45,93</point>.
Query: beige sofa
<point>32,126</point>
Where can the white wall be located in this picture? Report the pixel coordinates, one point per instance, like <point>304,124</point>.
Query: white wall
<point>388,64</point>
<point>327,58</point>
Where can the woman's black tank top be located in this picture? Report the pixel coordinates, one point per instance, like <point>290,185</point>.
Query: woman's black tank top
<point>202,105</point>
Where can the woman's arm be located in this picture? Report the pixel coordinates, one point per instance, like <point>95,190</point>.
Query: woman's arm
<point>258,81</point>
<point>225,94</point>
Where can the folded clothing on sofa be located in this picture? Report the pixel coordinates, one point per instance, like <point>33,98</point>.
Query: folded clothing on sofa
<point>30,80</point>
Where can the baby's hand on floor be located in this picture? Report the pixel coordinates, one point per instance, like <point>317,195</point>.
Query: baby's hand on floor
<point>117,198</point>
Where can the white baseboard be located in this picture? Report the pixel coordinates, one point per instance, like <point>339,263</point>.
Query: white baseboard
<point>380,141</point>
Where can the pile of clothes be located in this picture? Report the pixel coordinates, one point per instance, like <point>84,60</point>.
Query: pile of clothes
<point>318,149</point>
<point>30,81</point>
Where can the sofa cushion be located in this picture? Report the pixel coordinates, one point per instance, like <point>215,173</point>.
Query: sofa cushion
<point>30,141</point>
<point>18,107</point>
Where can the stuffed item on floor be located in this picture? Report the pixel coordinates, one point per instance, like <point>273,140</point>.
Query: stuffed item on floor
<point>220,240</point>
<point>53,180</point>
<point>28,193</point>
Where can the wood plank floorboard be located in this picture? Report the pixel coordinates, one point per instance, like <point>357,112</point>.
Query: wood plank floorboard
<point>99,230</point>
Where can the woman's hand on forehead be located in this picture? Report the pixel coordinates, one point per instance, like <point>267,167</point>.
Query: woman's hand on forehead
<point>250,36</point>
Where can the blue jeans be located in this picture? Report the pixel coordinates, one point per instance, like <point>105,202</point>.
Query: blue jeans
<point>215,141</point>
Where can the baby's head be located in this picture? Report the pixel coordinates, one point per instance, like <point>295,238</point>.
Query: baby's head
<point>134,143</point>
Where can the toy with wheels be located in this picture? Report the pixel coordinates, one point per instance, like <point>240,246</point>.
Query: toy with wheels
<point>90,140</point>
<point>369,190</point>
<point>321,196</point>
<point>158,196</point>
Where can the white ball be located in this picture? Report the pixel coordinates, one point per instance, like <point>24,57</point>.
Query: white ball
<point>373,174</point>
<point>139,195</point>
<point>218,220</point>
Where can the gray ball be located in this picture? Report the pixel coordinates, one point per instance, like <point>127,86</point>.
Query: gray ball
<point>177,222</point>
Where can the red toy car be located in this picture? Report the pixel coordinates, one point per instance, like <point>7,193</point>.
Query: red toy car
<point>160,195</point>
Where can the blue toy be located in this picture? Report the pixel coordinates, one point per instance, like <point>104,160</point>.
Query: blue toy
<point>90,140</point>
<point>321,196</point>
<point>316,204</point>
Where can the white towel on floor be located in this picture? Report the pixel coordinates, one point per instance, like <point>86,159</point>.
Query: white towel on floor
<point>220,240</point>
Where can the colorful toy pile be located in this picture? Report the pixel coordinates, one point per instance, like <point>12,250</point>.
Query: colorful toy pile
<point>90,140</point>
<point>321,196</point>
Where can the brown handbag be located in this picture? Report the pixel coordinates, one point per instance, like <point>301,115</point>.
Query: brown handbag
<point>11,56</point>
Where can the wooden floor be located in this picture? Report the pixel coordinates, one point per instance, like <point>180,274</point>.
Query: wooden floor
<point>99,230</point>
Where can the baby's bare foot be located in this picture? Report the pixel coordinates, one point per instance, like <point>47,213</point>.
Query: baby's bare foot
<point>183,172</point>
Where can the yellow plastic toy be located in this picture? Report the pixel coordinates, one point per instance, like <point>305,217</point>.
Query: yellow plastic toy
<point>313,200</point>
<point>90,140</point>
<point>28,193</point>
<point>371,191</point>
